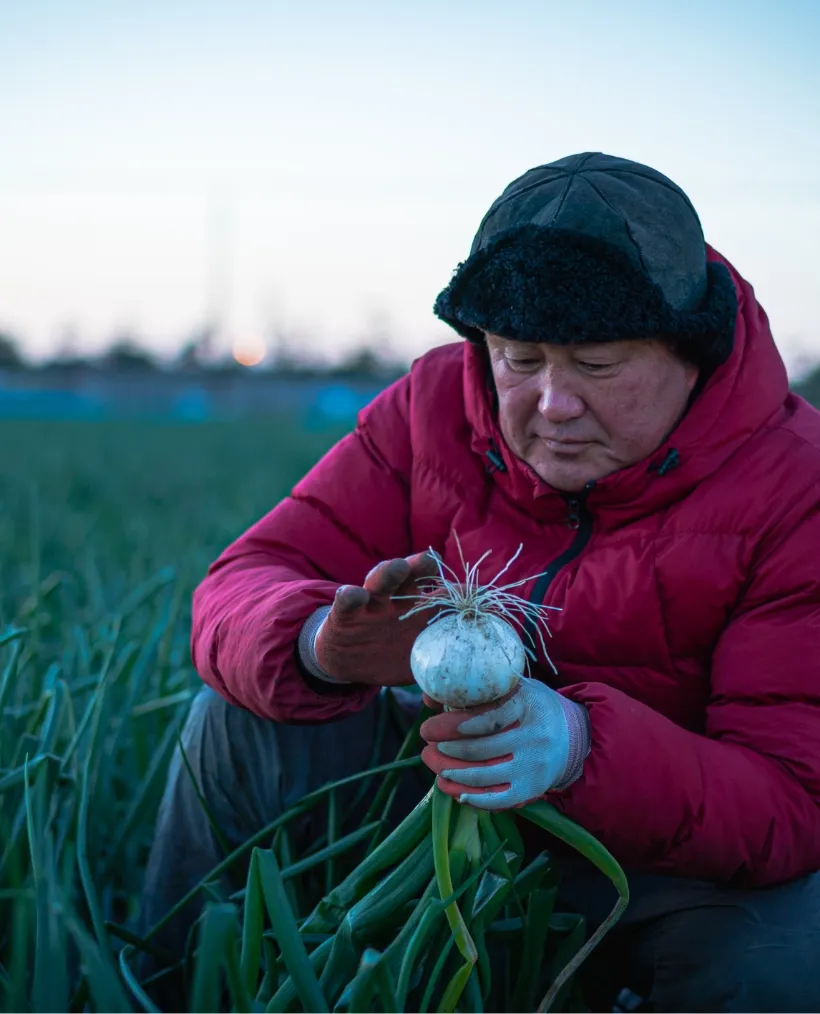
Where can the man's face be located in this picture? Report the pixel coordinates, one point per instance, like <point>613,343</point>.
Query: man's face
<point>576,413</point>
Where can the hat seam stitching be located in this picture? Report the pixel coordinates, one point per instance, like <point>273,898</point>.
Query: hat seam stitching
<point>502,201</point>
<point>668,185</point>
<point>627,226</point>
<point>562,201</point>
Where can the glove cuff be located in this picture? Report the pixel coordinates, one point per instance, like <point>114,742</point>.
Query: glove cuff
<point>580,742</point>
<point>306,645</point>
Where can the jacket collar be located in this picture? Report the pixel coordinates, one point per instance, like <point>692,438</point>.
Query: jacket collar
<point>738,399</point>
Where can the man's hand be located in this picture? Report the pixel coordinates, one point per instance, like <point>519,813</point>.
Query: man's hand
<point>362,639</point>
<point>512,751</point>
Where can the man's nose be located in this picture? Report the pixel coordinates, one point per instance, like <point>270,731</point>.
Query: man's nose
<point>559,403</point>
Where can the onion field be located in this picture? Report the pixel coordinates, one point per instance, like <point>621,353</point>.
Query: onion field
<point>105,529</point>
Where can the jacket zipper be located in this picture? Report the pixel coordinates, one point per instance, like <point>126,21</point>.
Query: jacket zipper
<point>579,519</point>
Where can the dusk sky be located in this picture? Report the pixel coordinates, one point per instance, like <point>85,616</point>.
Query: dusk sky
<point>322,167</point>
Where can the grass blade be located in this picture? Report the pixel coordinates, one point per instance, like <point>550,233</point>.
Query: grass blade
<point>13,634</point>
<point>442,808</point>
<point>386,987</point>
<point>153,776</point>
<point>283,849</point>
<point>547,817</point>
<point>220,837</point>
<point>218,922</point>
<point>322,855</point>
<point>331,910</point>
<point>91,897</point>
<point>430,916</point>
<point>103,982</point>
<point>435,974</point>
<point>329,852</point>
<point>131,982</point>
<point>252,927</point>
<point>160,703</point>
<point>333,825</point>
<point>9,677</point>
<point>18,775</point>
<point>50,984</point>
<point>140,595</point>
<point>136,942</point>
<point>567,950</point>
<point>540,904</point>
<point>386,792</point>
<point>286,932</point>
<point>358,994</point>
<point>91,710</point>
<point>385,695</point>
<point>286,993</point>
<point>455,987</point>
<point>264,833</point>
<point>19,963</point>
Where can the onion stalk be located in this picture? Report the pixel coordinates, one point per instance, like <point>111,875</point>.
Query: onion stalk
<point>392,935</point>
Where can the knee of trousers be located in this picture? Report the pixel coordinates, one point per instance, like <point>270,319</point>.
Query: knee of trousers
<point>233,757</point>
<point>257,767</point>
<point>756,956</point>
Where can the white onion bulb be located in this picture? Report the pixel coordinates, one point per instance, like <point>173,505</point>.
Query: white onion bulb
<point>463,662</point>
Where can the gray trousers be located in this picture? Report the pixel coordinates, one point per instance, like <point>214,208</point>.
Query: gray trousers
<point>682,945</point>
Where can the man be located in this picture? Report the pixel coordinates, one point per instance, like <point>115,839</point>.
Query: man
<point>619,408</point>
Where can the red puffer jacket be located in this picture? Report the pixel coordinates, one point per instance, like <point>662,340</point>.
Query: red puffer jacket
<point>689,586</point>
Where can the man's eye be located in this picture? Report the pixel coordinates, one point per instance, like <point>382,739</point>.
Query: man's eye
<point>522,364</point>
<point>594,367</point>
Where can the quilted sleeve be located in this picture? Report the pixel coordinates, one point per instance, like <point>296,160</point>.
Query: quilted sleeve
<point>741,803</point>
<point>347,514</point>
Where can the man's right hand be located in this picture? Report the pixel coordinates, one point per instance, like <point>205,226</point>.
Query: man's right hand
<point>362,639</point>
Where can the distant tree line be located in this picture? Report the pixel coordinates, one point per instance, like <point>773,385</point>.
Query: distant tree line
<point>125,354</point>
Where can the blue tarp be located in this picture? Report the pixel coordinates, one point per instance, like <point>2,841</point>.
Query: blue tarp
<point>33,404</point>
<point>319,403</point>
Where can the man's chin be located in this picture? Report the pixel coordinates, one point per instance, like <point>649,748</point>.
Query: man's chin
<point>566,479</point>
<point>567,474</point>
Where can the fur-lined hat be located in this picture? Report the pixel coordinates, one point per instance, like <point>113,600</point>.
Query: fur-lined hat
<point>594,248</point>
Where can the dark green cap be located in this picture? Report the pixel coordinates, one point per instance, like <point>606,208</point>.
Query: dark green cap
<point>594,248</point>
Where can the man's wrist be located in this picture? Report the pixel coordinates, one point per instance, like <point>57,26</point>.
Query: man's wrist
<point>580,742</point>
<point>306,646</point>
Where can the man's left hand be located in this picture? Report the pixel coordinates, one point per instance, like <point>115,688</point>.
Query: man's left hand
<point>512,751</point>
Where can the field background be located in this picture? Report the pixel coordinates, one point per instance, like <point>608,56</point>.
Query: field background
<point>105,528</point>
